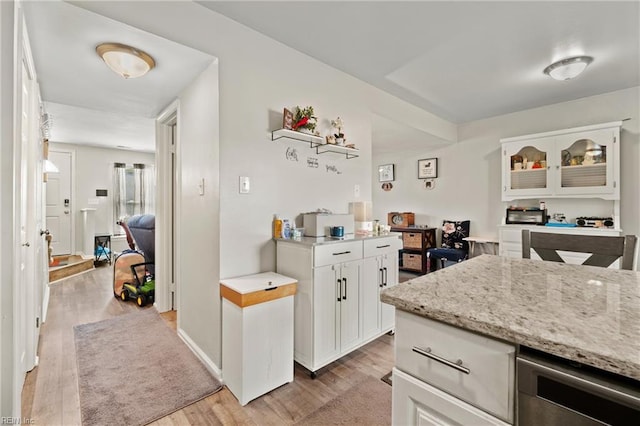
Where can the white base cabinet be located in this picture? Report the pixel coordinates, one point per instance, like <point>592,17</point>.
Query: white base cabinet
<point>337,306</point>
<point>446,375</point>
<point>418,403</point>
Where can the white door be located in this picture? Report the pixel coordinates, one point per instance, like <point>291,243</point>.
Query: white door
<point>350,305</point>
<point>326,291</point>
<point>59,202</point>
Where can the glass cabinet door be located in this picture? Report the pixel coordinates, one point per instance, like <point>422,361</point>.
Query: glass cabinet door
<point>585,162</point>
<point>526,167</point>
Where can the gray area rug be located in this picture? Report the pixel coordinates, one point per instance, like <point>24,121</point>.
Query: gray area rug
<point>133,369</point>
<point>366,403</point>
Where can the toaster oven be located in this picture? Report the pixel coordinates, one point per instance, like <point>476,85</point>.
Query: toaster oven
<point>524,216</point>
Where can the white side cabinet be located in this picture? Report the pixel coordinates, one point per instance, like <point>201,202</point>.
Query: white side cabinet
<point>570,163</point>
<point>337,307</point>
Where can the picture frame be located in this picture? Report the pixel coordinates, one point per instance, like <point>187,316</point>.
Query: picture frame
<point>385,173</point>
<point>428,168</point>
<point>287,119</point>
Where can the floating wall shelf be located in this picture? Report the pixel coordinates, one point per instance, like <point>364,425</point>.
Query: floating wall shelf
<point>316,142</point>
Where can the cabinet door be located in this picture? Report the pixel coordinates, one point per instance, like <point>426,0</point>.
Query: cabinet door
<point>585,162</point>
<point>417,403</point>
<point>389,263</point>
<point>350,305</point>
<point>326,290</point>
<point>372,276</point>
<point>526,168</point>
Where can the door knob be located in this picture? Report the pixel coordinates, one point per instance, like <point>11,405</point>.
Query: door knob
<point>66,212</point>
<point>44,232</point>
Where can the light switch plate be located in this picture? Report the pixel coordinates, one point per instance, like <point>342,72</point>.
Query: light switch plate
<point>245,185</point>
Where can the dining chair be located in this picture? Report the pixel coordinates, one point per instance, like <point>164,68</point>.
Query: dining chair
<point>453,247</point>
<point>604,249</point>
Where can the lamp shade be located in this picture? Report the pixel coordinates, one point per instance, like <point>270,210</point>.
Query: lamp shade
<point>124,60</point>
<point>568,68</point>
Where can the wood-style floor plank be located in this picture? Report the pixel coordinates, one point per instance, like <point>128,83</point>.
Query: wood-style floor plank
<point>50,395</point>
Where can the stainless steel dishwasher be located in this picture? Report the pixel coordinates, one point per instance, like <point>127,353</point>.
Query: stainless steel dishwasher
<point>554,391</point>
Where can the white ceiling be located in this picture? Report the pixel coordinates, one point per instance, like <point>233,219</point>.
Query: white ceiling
<point>460,60</point>
<point>88,102</point>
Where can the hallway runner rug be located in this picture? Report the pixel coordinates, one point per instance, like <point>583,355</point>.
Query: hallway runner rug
<point>133,369</point>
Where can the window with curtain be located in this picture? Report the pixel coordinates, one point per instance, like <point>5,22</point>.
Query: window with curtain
<point>133,190</point>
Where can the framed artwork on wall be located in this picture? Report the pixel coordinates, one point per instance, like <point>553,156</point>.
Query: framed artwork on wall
<point>385,173</point>
<point>428,168</point>
<point>287,119</point>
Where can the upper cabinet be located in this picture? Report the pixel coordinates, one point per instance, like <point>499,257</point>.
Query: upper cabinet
<point>572,163</point>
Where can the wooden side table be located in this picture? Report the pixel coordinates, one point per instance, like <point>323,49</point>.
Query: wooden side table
<point>415,242</point>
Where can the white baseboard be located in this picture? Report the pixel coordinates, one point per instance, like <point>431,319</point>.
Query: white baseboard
<point>45,303</point>
<point>208,363</point>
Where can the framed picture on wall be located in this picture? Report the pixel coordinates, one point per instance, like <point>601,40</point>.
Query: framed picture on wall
<point>287,119</point>
<point>385,173</point>
<point>428,168</point>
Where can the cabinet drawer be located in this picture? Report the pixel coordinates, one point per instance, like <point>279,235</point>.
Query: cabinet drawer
<point>417,403</point>
<point>336,253</point>
<point>378,246</point>
<point>412,240</point>
<point>488,379</point>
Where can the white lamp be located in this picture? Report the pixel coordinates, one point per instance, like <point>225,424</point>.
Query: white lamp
<point>568,68</point>
<point>124,60</point>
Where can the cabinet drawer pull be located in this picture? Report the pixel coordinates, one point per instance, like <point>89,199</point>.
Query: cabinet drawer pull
<point>381,280</point>
<point>457,364</point>
<point>339,289</point>
<point>344,295</point>
<point>386,245</point>
<point>384,281</point>
<point>342,252</point>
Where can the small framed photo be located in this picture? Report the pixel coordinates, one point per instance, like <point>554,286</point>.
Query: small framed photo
<point>287,119</point>
<point>428,168</point>
<point>385,173</point>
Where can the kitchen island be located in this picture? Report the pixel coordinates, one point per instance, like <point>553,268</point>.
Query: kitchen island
<point>585,314</point>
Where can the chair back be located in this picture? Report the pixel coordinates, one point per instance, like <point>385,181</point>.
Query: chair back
<point>453,234</point>
<point>143,230</point>
<point>604,249</point>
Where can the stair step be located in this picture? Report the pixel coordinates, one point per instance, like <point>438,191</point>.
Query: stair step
<point>69,265</point>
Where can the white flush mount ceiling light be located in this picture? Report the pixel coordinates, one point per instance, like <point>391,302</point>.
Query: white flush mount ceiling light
<point>568,68</point>
<point>124,60</point>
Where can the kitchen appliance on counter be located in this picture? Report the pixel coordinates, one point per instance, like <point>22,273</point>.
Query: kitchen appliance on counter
<point>595,222</point>
<point>320,224</point>
<point>526,216</point>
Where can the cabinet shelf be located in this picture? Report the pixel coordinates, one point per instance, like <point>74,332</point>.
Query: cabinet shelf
<point>316,142</point>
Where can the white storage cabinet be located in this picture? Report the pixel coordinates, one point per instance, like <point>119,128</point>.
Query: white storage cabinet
<point>257,333</point>
<point>337,295</point>
<point>380,272</point>
<point>580,162</point>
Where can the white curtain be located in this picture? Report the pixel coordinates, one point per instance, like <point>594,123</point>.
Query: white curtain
<point>119,192</point>
<point>144,189</point>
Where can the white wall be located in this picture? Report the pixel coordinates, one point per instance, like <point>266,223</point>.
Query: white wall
<point>94,170</point>
<point>469,172</point>
<point>198,219</point>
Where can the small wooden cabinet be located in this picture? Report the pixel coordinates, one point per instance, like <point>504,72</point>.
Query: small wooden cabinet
<point>415,242</point>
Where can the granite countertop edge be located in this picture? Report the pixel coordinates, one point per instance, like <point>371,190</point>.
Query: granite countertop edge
<point>605,362</point>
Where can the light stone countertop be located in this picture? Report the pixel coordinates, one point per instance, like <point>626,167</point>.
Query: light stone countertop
<point>316,241</point>
<point>586,314</point>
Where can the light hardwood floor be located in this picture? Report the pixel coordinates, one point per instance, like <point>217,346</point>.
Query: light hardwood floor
<point>50,395</point>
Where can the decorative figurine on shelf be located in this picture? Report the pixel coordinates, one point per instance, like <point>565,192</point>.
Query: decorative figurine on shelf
<point>304,120</point>
<point>338,124</point>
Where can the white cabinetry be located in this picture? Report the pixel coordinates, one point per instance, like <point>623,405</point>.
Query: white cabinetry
<point>337,306</point>
<point>380,271</point>
<point>580,162</point>
<point>510,240</point>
